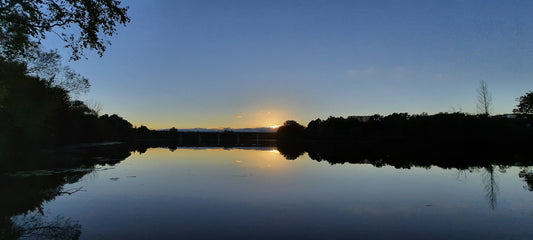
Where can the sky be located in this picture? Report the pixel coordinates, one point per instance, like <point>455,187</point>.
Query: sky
<point>211,64</point>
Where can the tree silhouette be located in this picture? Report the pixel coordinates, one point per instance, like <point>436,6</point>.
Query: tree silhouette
<point>525,103</point>
<point>24,23</point>
<point>491,186</point>
<point>48,65</point>
<point>173,131</point>
<point>36,113</point>
<point>36,89</point>
<point>143,132</point>
<point>290,129</point>
<point>484,98</point>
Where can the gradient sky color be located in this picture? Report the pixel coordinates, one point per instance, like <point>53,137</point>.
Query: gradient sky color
<point>258,63</point>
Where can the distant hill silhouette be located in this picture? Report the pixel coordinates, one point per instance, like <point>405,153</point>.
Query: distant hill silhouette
<point>258,129</point>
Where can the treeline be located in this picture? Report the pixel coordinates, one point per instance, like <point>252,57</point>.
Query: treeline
<point>443,129</point>
<point>447,140</point>
<point>35,113</point>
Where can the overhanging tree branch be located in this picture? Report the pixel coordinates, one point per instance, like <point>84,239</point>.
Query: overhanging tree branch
<point>25,21</point>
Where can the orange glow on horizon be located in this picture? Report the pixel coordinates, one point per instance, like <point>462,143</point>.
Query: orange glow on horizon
<point>256,118</point>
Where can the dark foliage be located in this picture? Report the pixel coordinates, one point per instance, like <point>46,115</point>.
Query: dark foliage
<point>25,22</point>
<point>402,140</point>
<point>36,114</point>
<point>48,65</point>
<point>525,103</point>
<point>450,129</point>
<point>290,130</point>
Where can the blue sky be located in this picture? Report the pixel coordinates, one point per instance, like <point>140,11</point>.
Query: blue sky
<point>258,63</point>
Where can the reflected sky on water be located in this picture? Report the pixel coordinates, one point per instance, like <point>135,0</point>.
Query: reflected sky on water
<point>257,193</point>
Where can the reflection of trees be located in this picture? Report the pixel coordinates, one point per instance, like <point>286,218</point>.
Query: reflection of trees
<point>491,186</point>
<point>172,148</point>
<point>405,156</point>
<point>34,226</point>
<point>22,194</point>
<point>527,175</point>
<point>25,195</point>
<point>290,150</point>
<point>488,178</point>
<point>462,174</point>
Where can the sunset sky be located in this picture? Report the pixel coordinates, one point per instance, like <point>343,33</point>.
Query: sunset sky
<point>258,63</point>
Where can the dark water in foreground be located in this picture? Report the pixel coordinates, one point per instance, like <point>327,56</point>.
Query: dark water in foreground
<point>215,193</point>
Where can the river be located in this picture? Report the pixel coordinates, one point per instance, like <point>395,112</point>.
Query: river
<point>256,193</point>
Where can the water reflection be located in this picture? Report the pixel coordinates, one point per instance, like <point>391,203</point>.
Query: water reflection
<point>248,182</point>
<point>407,157</point>
<point>403,156</point>
<point>491,186</point>
<point>527,174</point>
<point>24,192</point>
<point>35,226</point>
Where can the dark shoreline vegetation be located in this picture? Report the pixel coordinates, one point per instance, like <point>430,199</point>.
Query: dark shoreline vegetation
<point>442,135</point>
<point>38,117</point>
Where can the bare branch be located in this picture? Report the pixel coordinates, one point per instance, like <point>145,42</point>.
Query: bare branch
<point>484,99</point>
<point>72,191</point>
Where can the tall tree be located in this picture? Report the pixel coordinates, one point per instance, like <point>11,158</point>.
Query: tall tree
<point>525,103</point>
<point>26,22</point>
<point>47,65</point>
<point>484,98</point>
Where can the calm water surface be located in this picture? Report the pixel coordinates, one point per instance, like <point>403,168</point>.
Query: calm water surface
<point>258,194</point>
